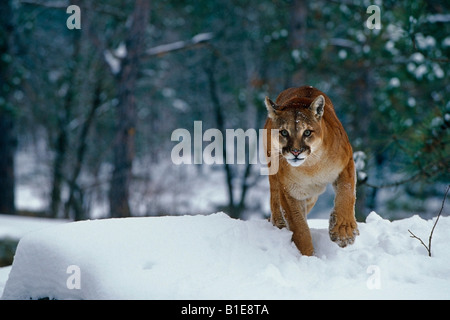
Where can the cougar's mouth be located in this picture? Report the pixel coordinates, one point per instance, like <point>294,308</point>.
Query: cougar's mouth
<point>295,162</point>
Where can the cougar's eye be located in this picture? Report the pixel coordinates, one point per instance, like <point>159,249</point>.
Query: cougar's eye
<point>284,133</point>
<point>307,133</point>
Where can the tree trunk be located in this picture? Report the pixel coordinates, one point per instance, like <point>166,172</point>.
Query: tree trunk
<point>60,158</point>
<point>64,118</point>
<point>297,38</point>
<point>75,200</point>
<point>7,149</point>
<point>361,124</point>
<point>124,143</point>
<point>7,136</point>
<point>221,126</point>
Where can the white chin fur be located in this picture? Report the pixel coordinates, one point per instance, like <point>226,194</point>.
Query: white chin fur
<point>295,163</point>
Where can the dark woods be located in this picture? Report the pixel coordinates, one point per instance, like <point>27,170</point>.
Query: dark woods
<point>86,115</point>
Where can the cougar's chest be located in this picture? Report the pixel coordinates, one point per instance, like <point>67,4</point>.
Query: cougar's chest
<point>303,190</point>
<point>304,184</point>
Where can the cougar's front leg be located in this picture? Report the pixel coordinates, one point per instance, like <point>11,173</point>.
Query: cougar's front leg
<point>275,206</point>
<point>295,214</point>
<point>343,228</point>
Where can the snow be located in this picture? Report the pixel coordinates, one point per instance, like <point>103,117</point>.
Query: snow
<point>216,257</point>
<point>4,272</point>
<point>15,227</point>
<point>360,163</point>
<point>164,48</point>
<point>433,18</point>
<point>202,37</point>
<point>113,62</point>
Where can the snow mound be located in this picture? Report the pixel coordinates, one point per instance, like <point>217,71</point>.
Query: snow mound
<point>15,227</point>
<point>216,257</point>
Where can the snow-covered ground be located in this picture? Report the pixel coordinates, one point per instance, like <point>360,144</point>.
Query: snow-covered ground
<point>13,228</point>
<point>216,257</point>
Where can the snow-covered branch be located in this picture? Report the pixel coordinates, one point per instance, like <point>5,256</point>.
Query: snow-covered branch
<point>179,45</point>
<point>114,57</point>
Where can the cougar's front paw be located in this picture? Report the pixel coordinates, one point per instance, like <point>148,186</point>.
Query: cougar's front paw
<point>343,231</point>
<point>279,223</point>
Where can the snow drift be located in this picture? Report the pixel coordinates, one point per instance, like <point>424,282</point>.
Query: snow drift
<point>216,257</point>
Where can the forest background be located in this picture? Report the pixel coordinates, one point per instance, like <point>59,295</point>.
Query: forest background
<point>86,115</point>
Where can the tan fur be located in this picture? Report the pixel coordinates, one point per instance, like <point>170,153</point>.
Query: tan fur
<point>328,158</point>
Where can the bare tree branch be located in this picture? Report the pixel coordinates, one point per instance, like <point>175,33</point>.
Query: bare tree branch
<point>437,219</point>
<point>390,184</point>
<point>434,226</point>
<point>416,237</point>
<point>54,4</point>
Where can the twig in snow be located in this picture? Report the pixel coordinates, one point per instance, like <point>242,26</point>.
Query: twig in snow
<point>434,226</point>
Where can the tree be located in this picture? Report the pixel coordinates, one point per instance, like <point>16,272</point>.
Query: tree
<point>388,86</point>
<point>64,117</point>
<point>299,43</point>
<point>124,142</point>
<point>7,112</point>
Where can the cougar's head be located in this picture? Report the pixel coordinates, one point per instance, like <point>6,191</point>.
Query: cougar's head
<point>299,123</point>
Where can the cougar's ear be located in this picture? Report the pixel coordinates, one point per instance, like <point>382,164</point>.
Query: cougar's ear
<point>318,106</point>
<point>271,108</point>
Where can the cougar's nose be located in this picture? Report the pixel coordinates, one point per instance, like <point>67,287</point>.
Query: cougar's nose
<point>296,152</point>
